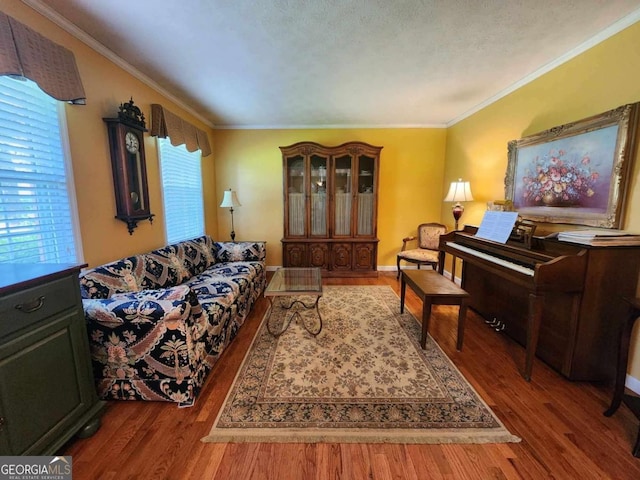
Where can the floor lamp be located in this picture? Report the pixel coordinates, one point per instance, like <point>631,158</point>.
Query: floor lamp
<point>229,201</point>
<point>458,192</point>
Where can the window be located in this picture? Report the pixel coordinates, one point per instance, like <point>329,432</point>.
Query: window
<point>37,206</point>
<point>181,191</point>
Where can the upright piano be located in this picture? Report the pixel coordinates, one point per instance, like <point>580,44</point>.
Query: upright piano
<point>560,300</point>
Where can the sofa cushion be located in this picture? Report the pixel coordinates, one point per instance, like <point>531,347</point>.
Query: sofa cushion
<point>202,253</point>
<point>166,267</point>
<point>121,276</point>
<point>215,285</point>
<point>240,251</point>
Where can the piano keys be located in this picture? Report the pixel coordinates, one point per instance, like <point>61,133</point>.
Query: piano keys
<point>561,301</point>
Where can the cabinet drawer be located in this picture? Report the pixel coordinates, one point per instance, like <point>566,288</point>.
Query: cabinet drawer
<point>32,305</point>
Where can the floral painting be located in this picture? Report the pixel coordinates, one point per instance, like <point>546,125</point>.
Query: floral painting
<point>575,173</point>
<point>568,172</point>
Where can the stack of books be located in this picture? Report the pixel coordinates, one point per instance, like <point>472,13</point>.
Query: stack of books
<point>600,237</point>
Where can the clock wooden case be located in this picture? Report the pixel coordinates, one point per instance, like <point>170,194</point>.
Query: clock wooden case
<point>126,143</point>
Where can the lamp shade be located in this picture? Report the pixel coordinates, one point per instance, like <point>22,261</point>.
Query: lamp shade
<point>230,199</point>
<point>459,192</point>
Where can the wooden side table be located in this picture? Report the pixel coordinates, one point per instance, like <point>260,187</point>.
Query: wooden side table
<point>434,289</point>
<point>632,401</point>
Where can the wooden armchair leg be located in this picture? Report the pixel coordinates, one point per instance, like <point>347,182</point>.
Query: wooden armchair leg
<point>398,261</point>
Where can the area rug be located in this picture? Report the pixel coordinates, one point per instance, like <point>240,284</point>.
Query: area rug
<point>364,378</point>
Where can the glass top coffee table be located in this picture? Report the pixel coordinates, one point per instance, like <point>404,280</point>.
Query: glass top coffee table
<point>294,282</point>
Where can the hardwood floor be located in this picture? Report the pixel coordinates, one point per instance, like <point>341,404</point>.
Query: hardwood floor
<point>564,433</point>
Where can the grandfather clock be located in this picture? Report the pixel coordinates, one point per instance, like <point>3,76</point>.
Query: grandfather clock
<point>126,143</point>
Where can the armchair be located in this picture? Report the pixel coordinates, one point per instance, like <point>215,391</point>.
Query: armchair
<point>427,251</point>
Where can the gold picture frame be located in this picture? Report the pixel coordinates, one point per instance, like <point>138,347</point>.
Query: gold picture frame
<point>575,173</point>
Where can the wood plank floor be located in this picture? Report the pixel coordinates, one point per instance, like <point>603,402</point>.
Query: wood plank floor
<point>564,434</point>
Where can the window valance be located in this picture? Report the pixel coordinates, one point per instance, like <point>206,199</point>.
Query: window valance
<point>26,53</point>
<point>167,124</point>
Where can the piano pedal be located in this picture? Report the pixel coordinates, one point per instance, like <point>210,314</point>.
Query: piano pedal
<point>496,324</point>
<point>492,323</point>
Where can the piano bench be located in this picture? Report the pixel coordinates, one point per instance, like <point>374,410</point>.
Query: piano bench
<point>434,289</point>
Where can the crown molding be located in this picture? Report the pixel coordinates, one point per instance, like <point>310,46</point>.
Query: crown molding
<point>327,127</point>
<point>88,40</point>
<point>608,32</point>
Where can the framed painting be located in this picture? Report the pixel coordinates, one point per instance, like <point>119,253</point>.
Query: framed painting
<point>576,173</point>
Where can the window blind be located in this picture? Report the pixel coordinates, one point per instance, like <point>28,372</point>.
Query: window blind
<point>182,191</point>
<point>36,224</point>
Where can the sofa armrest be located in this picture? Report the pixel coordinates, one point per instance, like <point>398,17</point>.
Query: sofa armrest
<point>241,251</point>
<point>150,331</point>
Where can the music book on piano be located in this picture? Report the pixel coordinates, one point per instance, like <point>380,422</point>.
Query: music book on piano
<point>600,237</point>
<point>497,226</point>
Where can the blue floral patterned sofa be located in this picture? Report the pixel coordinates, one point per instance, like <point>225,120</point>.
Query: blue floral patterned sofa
<point>159,321</point>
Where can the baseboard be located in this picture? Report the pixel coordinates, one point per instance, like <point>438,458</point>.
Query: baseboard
<point>633,384</point>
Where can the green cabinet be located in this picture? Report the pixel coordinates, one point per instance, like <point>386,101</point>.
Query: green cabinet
<point>47,393</point>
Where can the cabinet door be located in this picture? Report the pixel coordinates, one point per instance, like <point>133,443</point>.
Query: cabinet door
<point>340,256</point>
<point>319,255</point>
<point>295,196</point>
<point>364,255</point>
<point>295,255</point>
<point>43,386</point>
<point>318,210</point>
<point>342,195</point>
<point>365,201</point>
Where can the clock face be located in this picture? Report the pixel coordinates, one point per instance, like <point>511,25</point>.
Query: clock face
<point>131,142</point>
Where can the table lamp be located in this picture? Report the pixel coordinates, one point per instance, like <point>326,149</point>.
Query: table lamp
<point>458,192</point>
<point>229,201</point>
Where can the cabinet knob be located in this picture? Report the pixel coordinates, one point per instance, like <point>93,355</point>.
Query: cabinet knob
<point>2,422</point>
<point>32,306</point>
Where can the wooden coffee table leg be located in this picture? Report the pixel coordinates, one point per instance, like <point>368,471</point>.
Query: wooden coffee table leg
<point>426,316</point>
<point>462,316</point>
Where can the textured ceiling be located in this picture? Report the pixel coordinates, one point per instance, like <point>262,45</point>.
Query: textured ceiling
<point>318,63</point>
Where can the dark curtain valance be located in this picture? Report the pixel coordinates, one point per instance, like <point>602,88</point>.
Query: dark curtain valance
<point>166,124</point>
<point>26,53</point>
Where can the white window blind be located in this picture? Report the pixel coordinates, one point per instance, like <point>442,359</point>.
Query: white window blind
<point>36,220</point>
<point>181,191</point>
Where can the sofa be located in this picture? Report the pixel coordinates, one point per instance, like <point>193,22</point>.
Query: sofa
<point>159,321</point>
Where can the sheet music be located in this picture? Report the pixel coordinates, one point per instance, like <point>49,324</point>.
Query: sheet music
<point>497,226</point>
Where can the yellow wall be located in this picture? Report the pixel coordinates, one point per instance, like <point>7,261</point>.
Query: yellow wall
<point>411,170</point>
<point>107,86</point>
<point>602,78</point>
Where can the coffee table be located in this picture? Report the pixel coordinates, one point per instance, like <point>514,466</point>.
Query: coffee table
<point>294,282</point>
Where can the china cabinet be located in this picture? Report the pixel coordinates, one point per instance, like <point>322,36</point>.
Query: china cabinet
<point>330,207</point>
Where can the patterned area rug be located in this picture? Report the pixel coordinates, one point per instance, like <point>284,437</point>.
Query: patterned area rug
<point>364,378</point>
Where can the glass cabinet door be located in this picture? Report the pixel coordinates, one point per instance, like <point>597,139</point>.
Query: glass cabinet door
<point>295,191</point>
<point>318,205</point>
<point>342,185</point>
<point>365,200</point>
